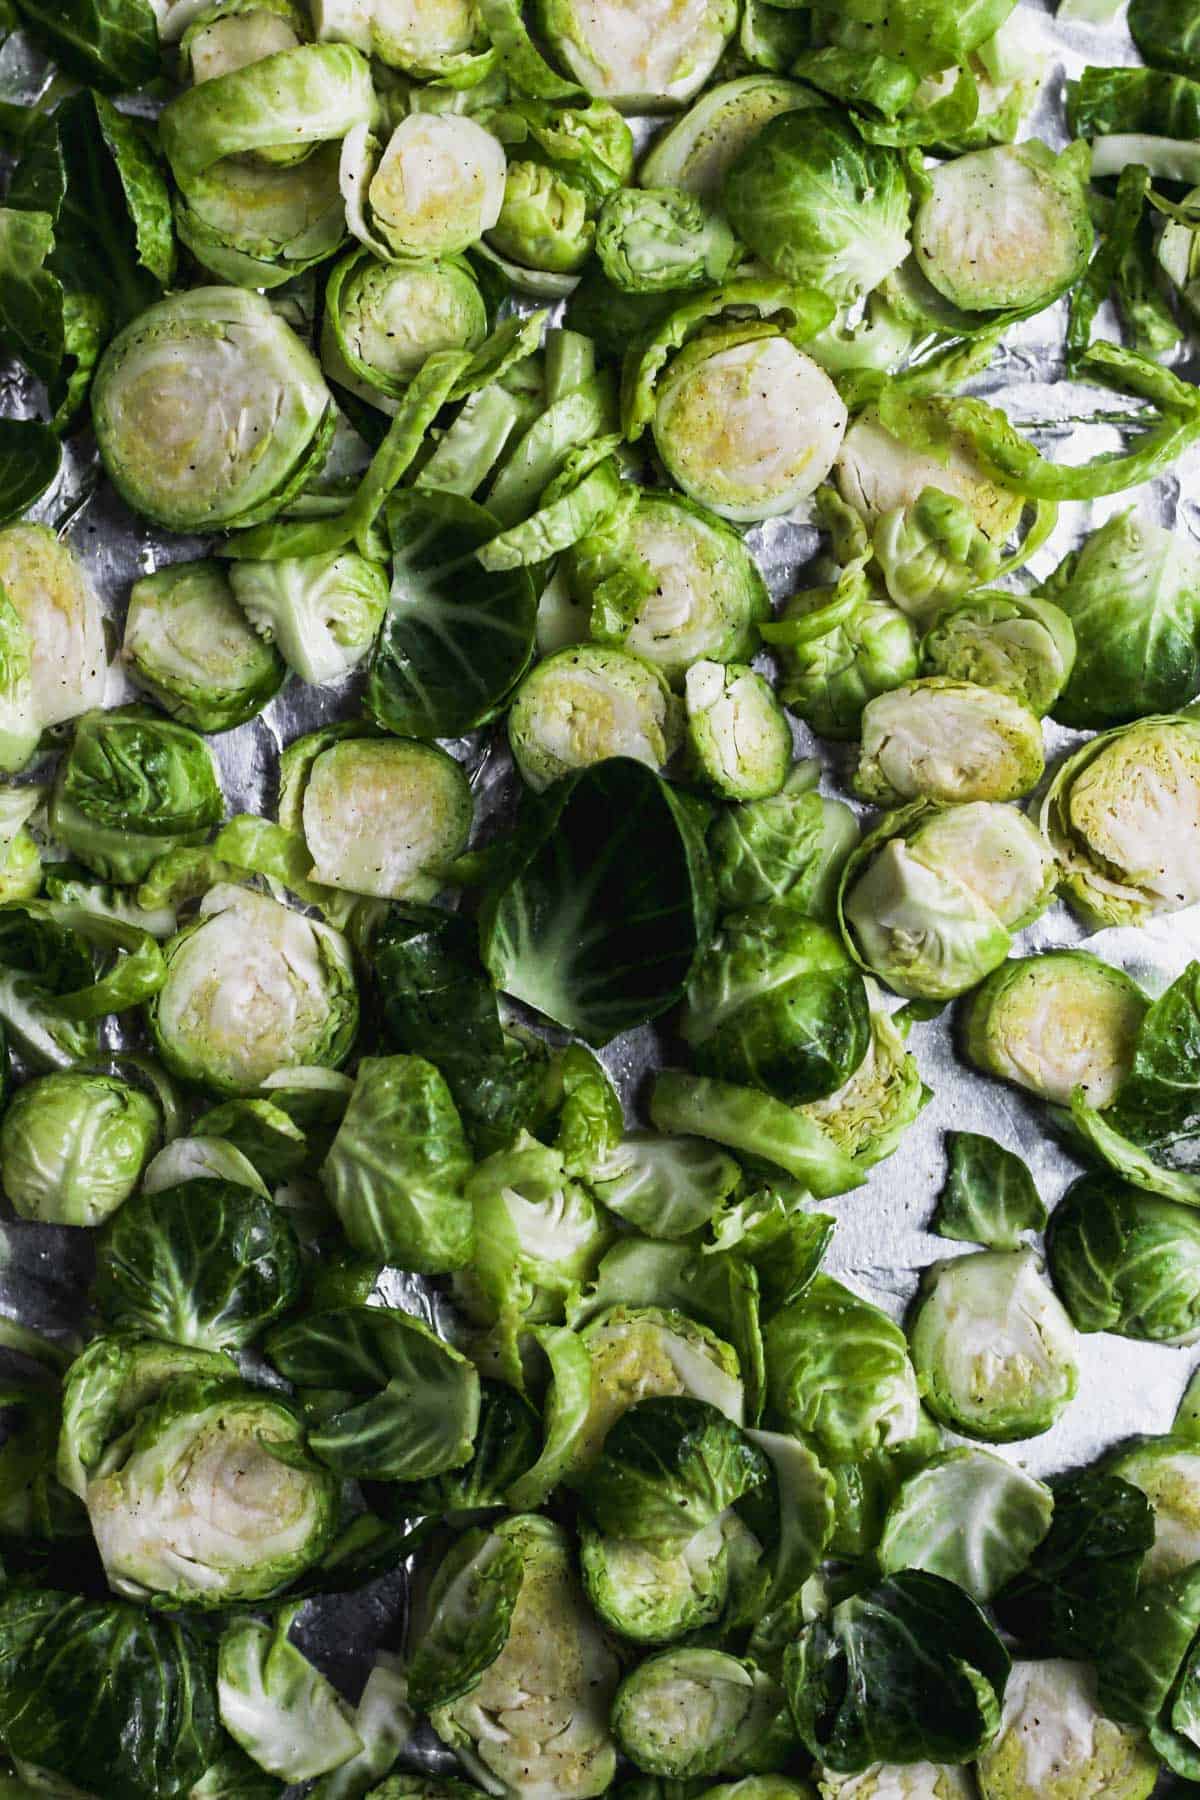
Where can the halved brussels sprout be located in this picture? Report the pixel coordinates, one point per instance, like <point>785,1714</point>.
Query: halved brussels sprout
<point>1054,1743</point>
<point>662,240</point>
<point>52,636</point>
<point>383,319</point>
<point>993,1348</point>
<point>867,1116</point>
<point>838,1372</point>
<point>209,411</point>
<point>322,612</point>
<point>1120,816</point>
<point>73,1146</point>
<point>257,224</point>
<point>654,1593</point>
<point>877,473</point>
<point>644,58</point>
<point>1167,1470</point>
<point>422,39</point>
<point>433,190</point>
<point>224,38</point>
<point>695,153</point>
<point>386,817</point>
<point>738,739</point>
<point>253,987</point>
<point>946,740</point>
<point>899,1781</point>
<point>749,427</point>
<point>1056,1022</point>
<point>1005,227</point>
<point>586,704</point>
<point>1014,643</point>
<point>190,646</point>
<point>695,1712</point>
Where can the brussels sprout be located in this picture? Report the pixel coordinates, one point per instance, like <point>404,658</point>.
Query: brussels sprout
<point>533,1720</point>
<point>209,412</point>
<point>820,205</point>
<point>969,1517</point>
<point>205,1263</point>
<point>661,240</point>
<point>672,584</point>
<point>1013,643</point>
<point>993,1348</point>
<point>20,856</point>
<point>642,59</point>
<point>878,475</point>
<point>382,320</point>
<point>670,1465</point>
<point>322,612</point>
<point>544,223</point>
<point>385,817</point>
<point>932,552</point>
<point>73,1146</point>
<point>222,40</point>
<point>694,1712</point>
<point>1005,227</point>
<point>187,1159</point>
<point>1118,815</point>
<point>277,1706</point>
<point>422,40</point>
<point>586,704</point>
<point>211,1498</point>
<point>746,424</point>
<point>1056,1022</point>
<point>666,1187</point>
<point>947,740</point>
<point>899,1781</point>
<point>189,645</point>
<point>653,1593</point>
<point>838,648</point>
<point>750,1121</point>
<point>867,1116</point>
<point>695,152</point>
<point>1054,1743</point>
<point>1126,1261</point>
<point>253,987</point>
<point>255,224</point>
<point>433,190</point>
<point>1167,1471</point>
<point>838,1372</point>
<point>52,638</point>
<point>270,105</point>
<point>790,848</point>
<point>776,1001</point>
<point>264,1133</point>
<point>738,739</point>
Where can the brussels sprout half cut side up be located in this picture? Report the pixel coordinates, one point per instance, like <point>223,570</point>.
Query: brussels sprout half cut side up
<point>1054,1023</point>
<point>585,705</point>
<point>690,1713</point>
<point>1054,1739</point>
<point>191,647</point>
<point>429,41</point>
<point>51,638</point>
<point>432,190</point>
<point>643,58</point>
<point>739,740</point>
<point>695,152</point>
<point>383,319</point>
<point>385,817</point>
<point>950,741</point>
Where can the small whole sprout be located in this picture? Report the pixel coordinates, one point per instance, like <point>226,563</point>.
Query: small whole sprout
<point>1167,1470</point>
<point>1125,1261</point>
<point>438,185</point>
<point>694,1712</point>
<point>73,1146</point>
<point>993,1349</point>
<point>385,817</point>
<point>1016,644</point>
<point>748,426</point>
<point>189,644</point>
<point>1056,1022</point>
<point>838,648</point>
<point>695,152</point>
<point>321,612</point>
<point>545,221</point>
<point>52,657</point>
<point>1054,1742</point>
<point>738,738</point>
<point>1004,227</point>
<point>949,741</point>
<point>383,319</point>
<point>585,704</point>
<point>642,59</point>
<point>661,240</point>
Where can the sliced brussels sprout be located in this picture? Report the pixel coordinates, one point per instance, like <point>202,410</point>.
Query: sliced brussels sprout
<point>946,740</point>
<point>670,1465</point>
<point>189,644</point>
<point>222,39</point>
<point>993,1349</point>
<point>838,1373</point>
<point>877,474</point>
<point>654,1593</point>
<point>867,1116</point>
<point>642,58</point>
<point>209,411</point>
<point>738,739</point>
<point>383,319</point>
<point>55,662</point>
<point>1056,1022</point>
<point>322,612</point>
<point>1124,1261</point>
<point>839,647</point>
<point>662,240</point>
<point>995,850</point>
<point>1005,227</point>
<point>20,856</point>
<point>586,704</point>
<point>272,107</point>
<point>1167,1471</point>
<point>1054,1742</point>
<point>386,817</point>
<point>1016,644</point>
<point>749,427</point>
<point>421,39</point>
<point>1119,815</point>
<point>899,1781</point>
<point>433,190</point>
<point>283,1712</point>
<point>968,1516</point>
<point>695,152</point>
<point>545,223</point>
<point>695,1712</point>
<point>73,1146</point>
<point>256,224</point>
<point>253,987</point>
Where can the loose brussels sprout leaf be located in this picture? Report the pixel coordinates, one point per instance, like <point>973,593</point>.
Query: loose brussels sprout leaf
<point>266,1135</point>
<point>800,1531</point>
<point>321,612</point>
<point>456,639</point>
<point>467,1613</point>
<point>187,1159</point>
<point>1126,1261</point>
<point>53,634</point>
<point>395,1172</point>
<point>384,1722</point>
<point>868,1115</point>
<point>151,1716</point>
<point>693,1712</point>
<point>1020,646</point>
<point>505,1448</point>
<point>695,153</point>
<point>1147,1672</point>
<point>739,740</point>
<point>589,1115</point>
<point>583,928</point>
<point>1158,1098</point>
<point>431,191</point>
<point>206,1263</point>
<point>189,645</point>
<point>277,1706</point>
<point>820,205</point>
<point>588,704</point>
<point>255,224</point>
<point>1056,1022</point>
<point>669,1467</point>
<point>1006,227</point>
<point>756,1124</point>
<point>661,240</point>
<point>838,1372</point>
<point>1132,593</point>
<point>384,818</point>
<point>899,1781</point>
<point>383,319</point>
<point>747,424</point>
<point>73,1146</point>
<point>993,1348</point>
<point>538,1718</point>
<point>642,60</point>
<point>789,848</point>
<point>948,741</point>
<point>989,1196</point>
<point>1117,814</point>
<point>776,1002</point>
<point>880,474</point>
<point>968,1517</point>
<point>654,1593</point>
<point>665,1187</point>
<point>928,1682</point>
<point>837,649</point>
<point>1167,1471</point>
<point>41,961</point>
<point>1080,1584</point>
<point>211,1498</point>
<point>174,385</point>
<point>1053,1732</point>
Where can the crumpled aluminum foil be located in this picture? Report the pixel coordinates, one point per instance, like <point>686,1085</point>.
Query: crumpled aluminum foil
<point>882,1242</point>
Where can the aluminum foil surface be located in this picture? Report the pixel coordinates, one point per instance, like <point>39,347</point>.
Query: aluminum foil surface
<point>883,1240</point>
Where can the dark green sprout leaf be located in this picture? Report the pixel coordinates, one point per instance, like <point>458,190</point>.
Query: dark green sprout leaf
<point>30,454</point>
<point>506,1447</point>
<point>1167,34</point>
<point>669,1467</point>
<point>1126,1261</point>
<point>585,927</point>
<point>264,1133</point>
<point>1141,1663</point>
<point>40,962</point>
<point>111,43</point>
<point>32,1503</point>
<point>1080,1585</point>
<point>906,1671</point>
<point>1160,1097</point>
<point>206,1263</point>
<point>1142,102</point>
<point>989,1196</point>
<point>469,1612</point>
